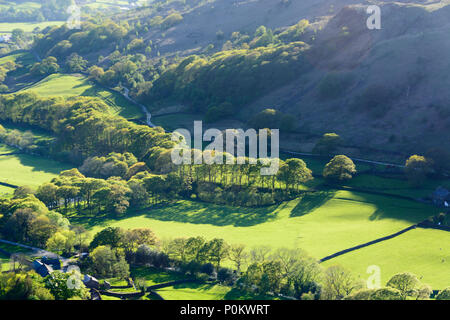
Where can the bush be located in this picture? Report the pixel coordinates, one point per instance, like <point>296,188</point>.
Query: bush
<point>207,268</point>
<point>444,294</point>
<point>226,276</point>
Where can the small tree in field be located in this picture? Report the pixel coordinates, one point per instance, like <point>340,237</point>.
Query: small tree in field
<point>327,144</point>
<point>340,168</point>
<point>407,283</point>
<point>417,168</point>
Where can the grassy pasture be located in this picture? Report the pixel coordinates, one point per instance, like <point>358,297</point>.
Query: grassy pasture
<point>6,192</point>
<point>78,85</point>
<point>8,27</point>
<point>4,263</point>
<point>153,276</point>
<point>25,169</point>
<point>192,291</point>
<point>424,252</point>
<point>321,224</point>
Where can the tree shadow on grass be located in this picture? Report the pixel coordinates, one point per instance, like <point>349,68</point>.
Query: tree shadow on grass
<point>201,213</point>
<point>311,201</point>
<point>154,275</point>
<point>190,212</point>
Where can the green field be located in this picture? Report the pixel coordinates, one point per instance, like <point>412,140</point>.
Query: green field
<point>321,224</point>
<point>22,57</point>
<point>153,276</point>
<point>4,262</point>
<point>6,192</point>
<point>424,252</point>
<point>25,169</point>
<point>7,27</point>
<point>78,85</point>
<point>192,291</point>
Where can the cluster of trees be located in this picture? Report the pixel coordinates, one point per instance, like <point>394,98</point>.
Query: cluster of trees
<point>234,76</point>
<point>22,140</point>
<point>271,118</point>
<point>48,10</point>
<point>46,67</point>
<point>5,68</point>
<point>23,286</point>
<point>168,22</point>
<point>71,189</point>
<point>27,220</point>
<point>113,165</point>
<point>112,249</point>
<point>84,126</point>
<point>61,42</point>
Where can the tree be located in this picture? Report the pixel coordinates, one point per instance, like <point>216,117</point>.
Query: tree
<point>23,286</point>
<point>340,168</point>
<point>294,172</point>
<point>417,168</point>
<point>47,66</point>
<point>327,144</point>
<point>108,263</point>
<point>109,236</point>
<point>238,255</point>
<point>338,283</point>
<point>64,286</point>
<point>217,250</point>
<point>62,241</point>
<point>444,294</point>
<point>132,239</point>
<point>386,294</point>
<point>76,63</point>
<point>407,283</point>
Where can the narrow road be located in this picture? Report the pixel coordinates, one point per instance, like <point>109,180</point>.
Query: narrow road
<point>38,252</point>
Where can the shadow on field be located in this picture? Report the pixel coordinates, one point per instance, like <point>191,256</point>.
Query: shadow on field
<point>200,213</point>
<point>311,201</point>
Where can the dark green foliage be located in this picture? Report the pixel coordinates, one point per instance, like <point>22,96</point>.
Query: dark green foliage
<point>236,76</point>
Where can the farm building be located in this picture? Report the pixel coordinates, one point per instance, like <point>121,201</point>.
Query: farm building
<point>53,262</point>
<point>41,268</point>
<point>91,282</point>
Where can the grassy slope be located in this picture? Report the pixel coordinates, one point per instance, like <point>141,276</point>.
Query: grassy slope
<point>154,276</point>
<point>321,224</point>
<point>72,85</point>
<point>24,169</point>
<point>4,263</point>
<point>424,252</point>
<point>7,27</point>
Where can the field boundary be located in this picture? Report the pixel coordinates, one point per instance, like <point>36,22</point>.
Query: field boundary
<point>342,252</point>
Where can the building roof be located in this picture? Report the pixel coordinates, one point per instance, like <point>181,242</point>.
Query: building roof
<point>41,268</point>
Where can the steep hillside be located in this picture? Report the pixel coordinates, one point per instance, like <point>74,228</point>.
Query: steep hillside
<point>385,89</point>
